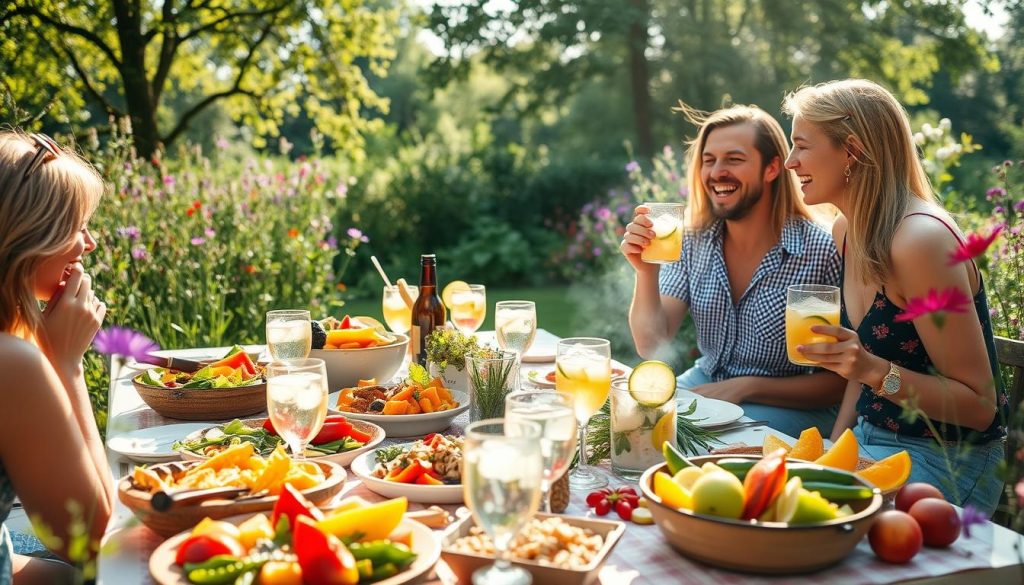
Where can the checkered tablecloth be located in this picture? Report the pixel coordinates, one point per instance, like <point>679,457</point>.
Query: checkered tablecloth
<point>641,556</point>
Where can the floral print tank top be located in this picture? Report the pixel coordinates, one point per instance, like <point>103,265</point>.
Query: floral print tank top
<point>882,335</point>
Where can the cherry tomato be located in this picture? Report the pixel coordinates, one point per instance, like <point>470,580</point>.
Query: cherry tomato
<point>197,549</point>
<point>624,510</point>
<point>603,507</point>
<point>593,498</point>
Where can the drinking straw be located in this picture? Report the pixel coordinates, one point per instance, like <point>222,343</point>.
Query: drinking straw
<point>380,270</point>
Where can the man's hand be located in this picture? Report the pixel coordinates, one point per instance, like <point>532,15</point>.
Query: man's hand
<point>637,237</point>
<point>846,357</point>
<point>735,390</point>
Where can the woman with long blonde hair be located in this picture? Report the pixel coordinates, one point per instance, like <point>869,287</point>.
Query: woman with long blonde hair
<point>914,383</point>
<point>51,455</point>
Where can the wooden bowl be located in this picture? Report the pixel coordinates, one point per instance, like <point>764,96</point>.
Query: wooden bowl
<point>181,518</point>
<point>344,459</point>
<point>463,564</point>
<point>204,403</point>
<point>770,548</point>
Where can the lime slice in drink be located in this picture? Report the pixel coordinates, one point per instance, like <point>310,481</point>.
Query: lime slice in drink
<point>652,383</point>
<point>572,371</point>
<point>816,320</point>
<point>448,294</point>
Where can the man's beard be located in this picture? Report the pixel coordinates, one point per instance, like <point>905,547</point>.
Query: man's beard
<point>741,209</point>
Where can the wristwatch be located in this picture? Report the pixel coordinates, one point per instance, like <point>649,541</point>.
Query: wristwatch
<point>891,382</point>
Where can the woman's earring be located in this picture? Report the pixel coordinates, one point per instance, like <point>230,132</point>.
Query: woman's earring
<point>846,173</point>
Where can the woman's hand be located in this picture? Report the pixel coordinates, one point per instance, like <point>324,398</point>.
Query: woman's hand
<point>71,319</point>
<point>846,357</point>
<point>637,237</point>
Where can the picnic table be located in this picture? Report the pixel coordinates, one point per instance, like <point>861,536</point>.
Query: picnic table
<point>991,555</point>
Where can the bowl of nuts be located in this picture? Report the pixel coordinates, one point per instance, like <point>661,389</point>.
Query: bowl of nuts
<point>556,550</point>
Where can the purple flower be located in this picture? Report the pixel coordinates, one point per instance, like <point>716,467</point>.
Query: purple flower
<point>210,232</point>
<point>632,166</point>
<point>356,234</point>
<point>197,241</point>
<point>971,516</point>
<point>1019,206</point>
<point>140,253</point>
<point>124,342</point>
<point>603,213</point>
<point>221,142</point>
<point>332,242</point>
<point>341,189</point>
<point>995,192</point>
<point>131,232</point>
<point>596,251</point>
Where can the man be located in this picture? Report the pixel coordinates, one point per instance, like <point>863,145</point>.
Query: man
<point>749,236</point>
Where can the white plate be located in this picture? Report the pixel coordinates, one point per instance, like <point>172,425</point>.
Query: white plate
<point>538,376</point>
<point>412,425</point>
<point>153,444</point>
<point>424,494</point>
<point>539,354</point>
<point>342,459</point>
<point>713,412</point>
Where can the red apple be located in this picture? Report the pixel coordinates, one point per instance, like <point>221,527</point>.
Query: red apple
<point>913,492</point>
<point>939,521</point>
<point>895,537</point>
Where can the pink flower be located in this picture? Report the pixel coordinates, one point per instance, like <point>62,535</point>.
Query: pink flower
<point>935,304</point>
<point>124,342</point>
<point>974,246</point>
<point>1020,491</point>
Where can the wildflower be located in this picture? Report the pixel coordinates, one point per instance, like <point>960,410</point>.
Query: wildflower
<point>356,234</point>
<point>169,181</point>
<point>249,269</point>
<point>632,166</point>
<point>198,241</point>
<point>293,233</point>
<point>974,246</point>
<point>221,143</point>
<point>936,305</point>
<point>995,193</point>
<point>284,146</point>
<point>131,232</point>
<point>140,253</point>
<point>1020,491</point>
<point>603,213</point>
<point>1007,163</point>
<point>190,211</point>
<point>971,516</point>
<point>123,341</point>
<point>596,251</point>
<point>919,138</point>
<point>332,242</point>
<point>1019,206</point>
<point>197,204</point>
<point>945,124</point>
<point>666,150</point>
<point>341,190</point>
<point>341,287</point>
<point>210,232</point>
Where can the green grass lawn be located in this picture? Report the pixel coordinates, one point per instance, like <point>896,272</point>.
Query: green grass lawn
<point>555,312</point>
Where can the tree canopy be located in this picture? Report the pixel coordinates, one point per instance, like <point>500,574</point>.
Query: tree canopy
<point>261,60</point>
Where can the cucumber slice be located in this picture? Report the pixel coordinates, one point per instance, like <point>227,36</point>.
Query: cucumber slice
<point>652,383</point>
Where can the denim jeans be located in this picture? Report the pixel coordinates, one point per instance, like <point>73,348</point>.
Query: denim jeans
<point>973,480</point>
<point>791,421</point>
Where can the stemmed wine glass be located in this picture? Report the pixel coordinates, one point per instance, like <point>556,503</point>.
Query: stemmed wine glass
<point>555,415</point>
<point>515,323</point>
<point>289,335</point>
<point>583,370</point>
<point>502,495</point>
<point>297,400</point>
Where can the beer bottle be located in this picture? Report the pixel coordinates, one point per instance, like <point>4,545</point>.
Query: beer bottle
<point>428,311</point>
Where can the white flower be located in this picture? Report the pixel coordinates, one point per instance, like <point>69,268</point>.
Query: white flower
<point>945,124</point>
<point>919,139</point>
<point>943,153</point>
<point>927,129</point>
<point>929,166</point>
<point>957,148</point>
<point>934,133</point>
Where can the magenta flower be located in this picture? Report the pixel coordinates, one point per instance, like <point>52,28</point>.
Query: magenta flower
<point>603,213</point>
<point>131,232</point>
<point>357,234</point>
<point>124,342</point>
<point>974,246</point>
<point>971,516</point>
<point>197,241</point>
<point>140,253</point>
<point>936,305</point>
<point>169,180</point>
<point>210,232</point>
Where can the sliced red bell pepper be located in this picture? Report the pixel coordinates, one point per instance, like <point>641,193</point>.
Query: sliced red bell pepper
<point>293,504</point>
<point>360,435</point>
<point>332,431</point>
<point>199,548</point>
<point>763,483</point>
<point>429,477</point>
<point>236,360</point>
<point>324,559</point>
<point>268,426</point>
<point>346,323</point>
<point>408,474</point>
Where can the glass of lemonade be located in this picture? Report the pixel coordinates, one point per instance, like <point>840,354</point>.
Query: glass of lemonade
<point>557,420</point>
<point>501,482</point>
<point>515,323</point>
<point>289,335</point>
<point>469,307</point>
<point>641,422</point>
<point>398,314</point>
<point>297,400</point>
<point>667,244</point>
<point>583,370</point>
<point>808,305</point>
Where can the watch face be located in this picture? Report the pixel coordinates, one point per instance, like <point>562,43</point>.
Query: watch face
<point>891,385</point>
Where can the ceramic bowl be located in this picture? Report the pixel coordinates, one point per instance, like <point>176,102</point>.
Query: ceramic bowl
<point>345,367</point>
<point>769,548</point>
<point>399,426</point>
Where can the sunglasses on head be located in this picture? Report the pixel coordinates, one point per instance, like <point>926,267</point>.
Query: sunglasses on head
<point>46,150</point>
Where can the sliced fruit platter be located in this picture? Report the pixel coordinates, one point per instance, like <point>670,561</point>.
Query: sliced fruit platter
<point>244,482</point>
<point>340,440</point>
<point>414,407</point>
<point>428,470</point>
<point>350,333</point>
<point>357,542</point>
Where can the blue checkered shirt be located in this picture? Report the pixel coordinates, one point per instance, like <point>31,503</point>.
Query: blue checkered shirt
<point>748,338</point>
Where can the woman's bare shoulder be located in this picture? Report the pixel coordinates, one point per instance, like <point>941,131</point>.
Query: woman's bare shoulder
<point>19,360</point>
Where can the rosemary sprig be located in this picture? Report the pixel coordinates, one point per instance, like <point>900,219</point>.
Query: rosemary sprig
<point>490,385</point>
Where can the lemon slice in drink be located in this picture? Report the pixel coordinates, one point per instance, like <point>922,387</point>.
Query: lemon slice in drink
<point>652,383</point>
<point>448,294</point>
<point>816,320</point>
<point>664,227</point>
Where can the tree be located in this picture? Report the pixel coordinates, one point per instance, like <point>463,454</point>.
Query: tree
<point>706,52</point>
<point>261,60</point>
